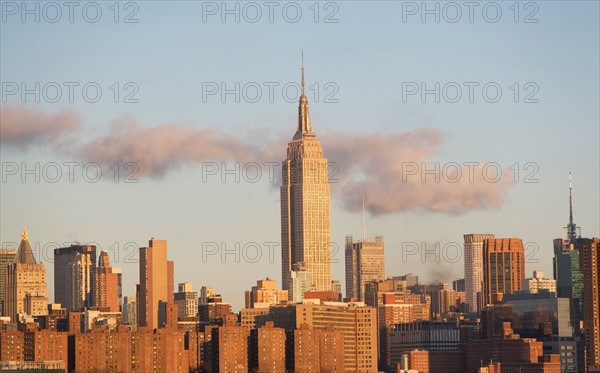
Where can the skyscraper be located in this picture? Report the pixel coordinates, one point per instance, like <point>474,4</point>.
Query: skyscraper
<point>364,263</point>
<point>568,276</point>
<point>25,279</point>
<point>63,282</point>
<point>305,218</point>
<point>6,257</point>
<point>589,261</point>
<point>78,283</point>
<point>108,284</point>
<point>156,282</point>
<point>473,248</point>
<point>503,267</point>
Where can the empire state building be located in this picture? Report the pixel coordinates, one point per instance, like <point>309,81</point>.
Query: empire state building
<point>305,223</point>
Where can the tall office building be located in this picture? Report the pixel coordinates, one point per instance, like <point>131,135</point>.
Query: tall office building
<point>6,257</point>
<point>503,267</point>
<point>63,281</point>
<point>568,276</point>
<point>108,284</point>
<point>79,279</point>
<point>305,218</point>
<point>156,282</point>
<point>589,261</point>
<point>364,263</point>
<point>25,283</point>
<point>473,249</point>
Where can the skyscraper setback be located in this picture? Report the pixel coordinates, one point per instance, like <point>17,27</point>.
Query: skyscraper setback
<point>108,284</point>
<point>305,216</point>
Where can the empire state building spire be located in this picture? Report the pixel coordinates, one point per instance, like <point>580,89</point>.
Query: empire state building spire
<point>305,215</point>
<point>304,126</point>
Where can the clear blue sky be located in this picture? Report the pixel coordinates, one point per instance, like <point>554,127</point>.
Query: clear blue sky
<point>367,55</point>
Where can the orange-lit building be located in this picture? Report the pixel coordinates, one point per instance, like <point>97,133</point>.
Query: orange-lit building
<point>108,284</point>
<point>156,282</point>
<point>144,350</point>
<point>317,350</point>
<point>589,264</point>
<point>266,349</point>
<point>357,323</point>
<point>229,349</point>
<point>248,316</point>
<point>265,293</point>
<point>435,361</point>
<point>503,267</point>
<point>25,286</point>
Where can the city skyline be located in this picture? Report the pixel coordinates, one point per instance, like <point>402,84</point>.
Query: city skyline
<point>324,186</point>
<point>568,231</point>
<point>197,209</point>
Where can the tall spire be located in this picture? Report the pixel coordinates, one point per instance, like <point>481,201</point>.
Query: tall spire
<point>570,200</point>
<point>24,254</point>
<point>304,126</point>
<point>303,86</point>
<point>572,230</point>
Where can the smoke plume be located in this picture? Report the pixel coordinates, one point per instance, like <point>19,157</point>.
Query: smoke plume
<point>394,172</point>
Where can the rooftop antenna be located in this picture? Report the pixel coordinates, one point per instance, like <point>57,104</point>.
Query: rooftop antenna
<point>302,73</point>
<point>570,200</point>
<point>573,232</point>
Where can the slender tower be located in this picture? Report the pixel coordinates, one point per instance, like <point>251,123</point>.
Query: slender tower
<point>572,231</point>
<point>305,224</point>
<point>567,271</point>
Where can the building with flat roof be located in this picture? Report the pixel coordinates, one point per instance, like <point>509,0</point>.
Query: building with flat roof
<point>503,267</point>
<point>357,322</point>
